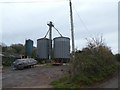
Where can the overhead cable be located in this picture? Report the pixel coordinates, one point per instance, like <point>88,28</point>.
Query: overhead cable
<point>80,19</point>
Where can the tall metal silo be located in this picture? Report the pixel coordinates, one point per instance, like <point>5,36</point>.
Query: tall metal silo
<point>28,47</point>
<point>43,48</point>
<point>62,49</point>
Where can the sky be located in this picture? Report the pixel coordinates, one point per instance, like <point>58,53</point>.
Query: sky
<point>27,19</point>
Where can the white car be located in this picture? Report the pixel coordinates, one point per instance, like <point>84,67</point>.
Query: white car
<point>22,63</point>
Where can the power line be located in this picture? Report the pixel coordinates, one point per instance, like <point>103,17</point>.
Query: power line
<point>80,19</point>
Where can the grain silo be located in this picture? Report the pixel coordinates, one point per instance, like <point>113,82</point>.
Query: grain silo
<point>62,49</point>
<point>28,47</point>
<point>43,48</point>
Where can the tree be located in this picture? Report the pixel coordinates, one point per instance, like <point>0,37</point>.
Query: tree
<point>18,48</point>
<point>34,52</point>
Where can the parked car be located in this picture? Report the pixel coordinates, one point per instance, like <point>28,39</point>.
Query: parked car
<point>22,63</point>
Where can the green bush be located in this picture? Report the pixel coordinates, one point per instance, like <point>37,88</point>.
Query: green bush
<point>117,56</point>
<point>7,61</point>
<point>95,63</point>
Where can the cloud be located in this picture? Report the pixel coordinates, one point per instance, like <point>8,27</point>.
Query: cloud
<point>29,20</point>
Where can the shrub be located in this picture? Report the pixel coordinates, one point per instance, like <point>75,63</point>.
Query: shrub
<point>117,56</point>
<point>7,61</point>
<point>94,63</point>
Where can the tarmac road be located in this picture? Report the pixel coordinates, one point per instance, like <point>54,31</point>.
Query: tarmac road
<point>113,82</point>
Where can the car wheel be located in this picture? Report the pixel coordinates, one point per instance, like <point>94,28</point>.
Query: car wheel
<point>30,66</point>
<point>20,66</point>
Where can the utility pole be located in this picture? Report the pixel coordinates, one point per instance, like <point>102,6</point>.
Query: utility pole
<point>50,38</point>
<point>72,36</point>
<point>72,31</point>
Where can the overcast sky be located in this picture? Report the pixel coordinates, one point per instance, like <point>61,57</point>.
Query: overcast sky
<point>27,19</point>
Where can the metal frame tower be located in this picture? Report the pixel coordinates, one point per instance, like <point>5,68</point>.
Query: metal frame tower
<point>50,24</point>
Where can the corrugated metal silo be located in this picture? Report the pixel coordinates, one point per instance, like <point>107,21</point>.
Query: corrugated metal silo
<point>62,48</point>
<point>28,47</point>
<point>43,48</point>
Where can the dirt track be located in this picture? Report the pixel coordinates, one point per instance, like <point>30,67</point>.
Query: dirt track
<point>37,77</point>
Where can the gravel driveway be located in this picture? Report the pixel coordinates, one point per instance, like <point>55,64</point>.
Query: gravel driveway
<point>37,77</point>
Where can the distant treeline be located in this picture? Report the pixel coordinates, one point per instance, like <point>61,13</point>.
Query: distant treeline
<point>10,53</point>
<point>13,52</point>
<point>16,50</point>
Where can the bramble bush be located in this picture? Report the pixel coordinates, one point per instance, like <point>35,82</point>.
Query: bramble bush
<point>94,63</point>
